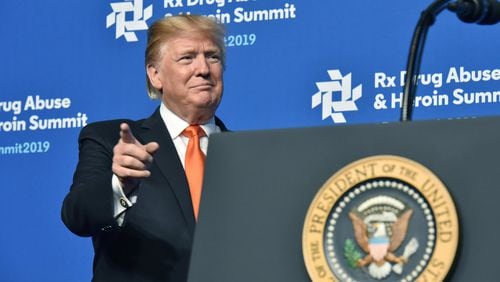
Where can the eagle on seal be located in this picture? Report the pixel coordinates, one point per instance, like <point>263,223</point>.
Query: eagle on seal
<point>373,239</point>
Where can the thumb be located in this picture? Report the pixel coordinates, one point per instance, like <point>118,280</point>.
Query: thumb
<point>126,134</point>
<point>151,147</point>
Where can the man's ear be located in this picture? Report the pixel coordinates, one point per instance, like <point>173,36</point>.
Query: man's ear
<point>154,76</point>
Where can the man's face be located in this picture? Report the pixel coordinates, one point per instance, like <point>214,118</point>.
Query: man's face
<point>190,76</point>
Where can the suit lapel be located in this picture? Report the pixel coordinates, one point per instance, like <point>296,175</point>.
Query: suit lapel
<point>220,124</point>
<point>167,160</point>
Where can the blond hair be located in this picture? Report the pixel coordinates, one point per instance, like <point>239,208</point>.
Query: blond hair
<point>170,27</point>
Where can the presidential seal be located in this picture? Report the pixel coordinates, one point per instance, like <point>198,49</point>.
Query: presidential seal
<point>381,218</point>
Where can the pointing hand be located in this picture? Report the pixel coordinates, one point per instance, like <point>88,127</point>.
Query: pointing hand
<point>131,159</point>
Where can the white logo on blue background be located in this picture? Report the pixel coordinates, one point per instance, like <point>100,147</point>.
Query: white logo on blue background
<point>343,102</point>
<point>126,27</point>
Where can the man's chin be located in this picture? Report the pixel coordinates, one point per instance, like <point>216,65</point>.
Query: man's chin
<point>205,99</point>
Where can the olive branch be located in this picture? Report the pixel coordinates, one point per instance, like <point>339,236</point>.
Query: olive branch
<point>351,254</point>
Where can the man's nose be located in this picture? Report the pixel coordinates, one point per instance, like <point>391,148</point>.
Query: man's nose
<point>202,66</point>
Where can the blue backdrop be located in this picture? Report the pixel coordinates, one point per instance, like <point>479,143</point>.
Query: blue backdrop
<point>293,63</point>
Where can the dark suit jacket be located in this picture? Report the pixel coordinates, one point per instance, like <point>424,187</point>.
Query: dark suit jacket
<point>154,242</point>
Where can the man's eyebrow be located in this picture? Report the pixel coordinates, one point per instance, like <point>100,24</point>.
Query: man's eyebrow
<point>212,51</point>
<point>186,49</point>
<point>183,50</point>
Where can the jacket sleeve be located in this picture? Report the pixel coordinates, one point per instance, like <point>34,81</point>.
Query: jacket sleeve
<point>88,207</point>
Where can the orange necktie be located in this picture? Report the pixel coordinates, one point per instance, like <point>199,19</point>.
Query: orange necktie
<point>194,164</point>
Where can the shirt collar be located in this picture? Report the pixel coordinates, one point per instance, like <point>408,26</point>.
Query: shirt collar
<point>176,125</point>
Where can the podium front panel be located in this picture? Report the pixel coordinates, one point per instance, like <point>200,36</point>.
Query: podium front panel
<point>259,185</point>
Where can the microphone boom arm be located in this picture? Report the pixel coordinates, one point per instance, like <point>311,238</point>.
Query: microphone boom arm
<point>427,18</point>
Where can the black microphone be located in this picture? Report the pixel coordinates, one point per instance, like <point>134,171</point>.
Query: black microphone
<point>484,12</point>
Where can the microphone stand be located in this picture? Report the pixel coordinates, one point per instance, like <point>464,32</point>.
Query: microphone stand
<point>427,18</point>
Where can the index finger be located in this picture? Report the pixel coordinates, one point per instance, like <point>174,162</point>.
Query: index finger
<point>126,134</point>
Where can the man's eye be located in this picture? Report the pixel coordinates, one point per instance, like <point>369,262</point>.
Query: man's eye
<point>214,58</point>
<point>185,59</point>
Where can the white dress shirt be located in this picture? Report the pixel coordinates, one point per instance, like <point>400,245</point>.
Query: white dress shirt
<point>175,126</point>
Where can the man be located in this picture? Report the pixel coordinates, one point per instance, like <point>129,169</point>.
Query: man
<point>130,191</point>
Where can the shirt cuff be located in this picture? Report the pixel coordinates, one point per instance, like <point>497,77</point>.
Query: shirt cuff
<point>120,201</point>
